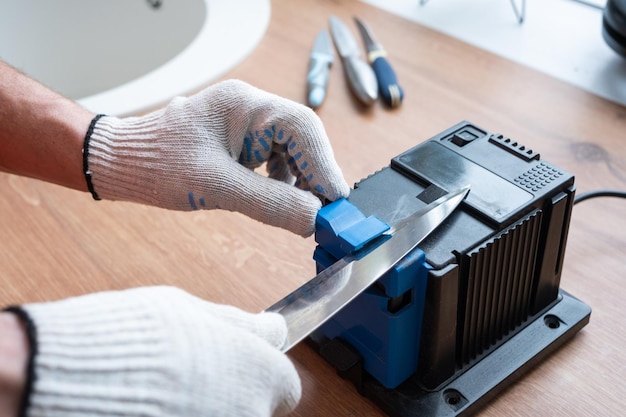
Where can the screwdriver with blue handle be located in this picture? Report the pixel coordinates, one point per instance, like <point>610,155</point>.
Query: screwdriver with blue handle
<point>390,90</point>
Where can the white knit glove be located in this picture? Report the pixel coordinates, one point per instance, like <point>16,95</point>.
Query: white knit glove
<point>158,352</point>
<point>200,153</point>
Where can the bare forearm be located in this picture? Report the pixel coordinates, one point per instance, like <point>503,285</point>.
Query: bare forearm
<point>14,351</point>
<point>41,132</point>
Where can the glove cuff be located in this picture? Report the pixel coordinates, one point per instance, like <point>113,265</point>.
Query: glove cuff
<point>120,158</point>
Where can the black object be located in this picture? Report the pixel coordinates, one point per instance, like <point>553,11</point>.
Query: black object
<point>493,307</point>
<point>614,25</point>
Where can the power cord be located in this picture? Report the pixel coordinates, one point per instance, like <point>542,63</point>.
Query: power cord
<point>599,193</point>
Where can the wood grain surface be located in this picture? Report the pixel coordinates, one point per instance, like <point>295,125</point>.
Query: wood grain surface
<point>58,243</point>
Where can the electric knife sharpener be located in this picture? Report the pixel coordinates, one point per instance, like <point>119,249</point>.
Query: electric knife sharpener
<point>478,302</point>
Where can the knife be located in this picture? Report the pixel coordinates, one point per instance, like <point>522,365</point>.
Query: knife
<point>388,85</point>
<point>319,299</point>
<point>360,75</point>
<point>320,60</point>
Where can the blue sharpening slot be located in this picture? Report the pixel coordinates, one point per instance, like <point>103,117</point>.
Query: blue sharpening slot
<point>384,322</point>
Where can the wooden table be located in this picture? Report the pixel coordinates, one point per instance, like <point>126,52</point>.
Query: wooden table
<point>58,243</point>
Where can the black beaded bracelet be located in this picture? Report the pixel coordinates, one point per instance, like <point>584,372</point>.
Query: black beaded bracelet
<point>86,171</point>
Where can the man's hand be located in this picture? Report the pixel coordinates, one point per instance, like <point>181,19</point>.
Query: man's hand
<point>201,152</point>
<point>158,351</point>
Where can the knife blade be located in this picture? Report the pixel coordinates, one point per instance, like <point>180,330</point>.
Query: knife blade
<point>311,305</point>
<point>388,86</point>
<point>320,60</point>
<point>360,75</point>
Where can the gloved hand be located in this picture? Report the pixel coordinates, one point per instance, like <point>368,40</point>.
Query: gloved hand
<point>158,351</point>
<point>200,153</point>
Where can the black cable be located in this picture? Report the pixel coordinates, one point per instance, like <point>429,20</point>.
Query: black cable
<point>599,193</point>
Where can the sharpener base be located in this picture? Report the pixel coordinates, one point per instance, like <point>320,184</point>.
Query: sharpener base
<point>467,392</point>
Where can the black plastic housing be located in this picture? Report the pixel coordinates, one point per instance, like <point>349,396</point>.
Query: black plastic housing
<point>495,268</point>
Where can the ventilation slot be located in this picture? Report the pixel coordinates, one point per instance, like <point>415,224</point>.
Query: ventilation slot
<point>498,283</point>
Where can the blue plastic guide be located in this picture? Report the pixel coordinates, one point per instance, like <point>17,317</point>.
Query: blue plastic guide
<point>384,322</point>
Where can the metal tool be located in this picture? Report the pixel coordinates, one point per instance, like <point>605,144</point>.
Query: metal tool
<point>388,86</point>
<point>360,75</point>
<point>321,58</point>
<point>319,299</point>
